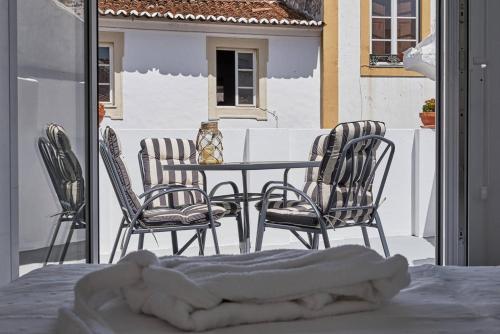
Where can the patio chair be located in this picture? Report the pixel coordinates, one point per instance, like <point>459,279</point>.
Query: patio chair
<point>345,192</point>
<point>66,177</point>
<point>141,219</point>
<point>156,152</point>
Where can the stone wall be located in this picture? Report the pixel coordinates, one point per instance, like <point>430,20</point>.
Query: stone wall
<point>312,8</point>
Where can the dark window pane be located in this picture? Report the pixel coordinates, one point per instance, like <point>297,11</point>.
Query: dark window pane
<point>403,46</point>
<point>245,79</point>
<point>381,28</point>
<point>245,96</point>
<point>104,93</point>
<point>104,74</point>
<point>245,61</point>
<point>225,78</point>
<point>381,48</point>
<point>407,29</point>
<point>103,55</point>
<point>407,8</point>
<point>381,7</point>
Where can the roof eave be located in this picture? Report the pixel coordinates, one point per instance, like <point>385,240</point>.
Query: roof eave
<point>209,19</point>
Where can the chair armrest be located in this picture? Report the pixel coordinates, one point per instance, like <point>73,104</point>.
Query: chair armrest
<point>161,187</point>
<point>227,183</point>
<point>296,191</point>
<point>267,184</point>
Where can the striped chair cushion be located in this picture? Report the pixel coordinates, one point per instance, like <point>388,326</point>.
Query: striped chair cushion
<point>317,152</point>
<point>185,215</point>
<point>338,139</point>
<point>345,199</point>
<point>232,208</point>
<point>68,167</point>
<point>73,192</point>
<point>113,144</point>
<point>156,152</point>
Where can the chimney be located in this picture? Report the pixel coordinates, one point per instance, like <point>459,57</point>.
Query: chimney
<point>310,8</point>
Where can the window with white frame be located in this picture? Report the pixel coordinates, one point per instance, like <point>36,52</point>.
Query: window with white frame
<point>105,73</point>
<point>394,29</point>
<point>236,78</point>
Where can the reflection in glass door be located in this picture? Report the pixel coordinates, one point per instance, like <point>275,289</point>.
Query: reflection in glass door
<point>52,143</point>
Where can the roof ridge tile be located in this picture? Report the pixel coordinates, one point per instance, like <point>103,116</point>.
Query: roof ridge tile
<point>275,12</point>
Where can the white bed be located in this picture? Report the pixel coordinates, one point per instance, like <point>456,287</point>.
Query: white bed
<point>439,300</point>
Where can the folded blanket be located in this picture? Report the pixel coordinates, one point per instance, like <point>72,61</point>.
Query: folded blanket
<point>200,293</point>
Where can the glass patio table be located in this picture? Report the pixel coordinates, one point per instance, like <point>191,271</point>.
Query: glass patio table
<point>245,197</point>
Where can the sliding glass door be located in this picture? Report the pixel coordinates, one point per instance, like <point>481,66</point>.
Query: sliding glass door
<point>54,100</point>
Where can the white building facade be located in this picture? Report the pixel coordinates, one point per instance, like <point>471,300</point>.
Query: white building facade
<point>165,74</point>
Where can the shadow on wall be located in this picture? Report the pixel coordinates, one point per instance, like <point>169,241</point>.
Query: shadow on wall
<point>430,219</point>
<point>60,59</point>
<point>184,54</point>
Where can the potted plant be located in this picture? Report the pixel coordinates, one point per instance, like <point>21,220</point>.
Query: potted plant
<point>428,114</point>
<point>102,112</point>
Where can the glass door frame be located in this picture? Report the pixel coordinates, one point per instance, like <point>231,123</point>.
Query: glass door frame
<point>452,148</point>
<point>92,131</point>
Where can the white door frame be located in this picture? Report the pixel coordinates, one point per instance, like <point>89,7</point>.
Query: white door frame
<point>452,145</point>
<point>9,255</point>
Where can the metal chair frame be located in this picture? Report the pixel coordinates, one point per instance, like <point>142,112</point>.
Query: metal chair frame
<point>235,197</point>
<point>69,213</point>
<point>132,219</point>
<point>367,175</point>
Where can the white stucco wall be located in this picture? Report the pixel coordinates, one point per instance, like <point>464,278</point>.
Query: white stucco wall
<point>394,100</point>
<point>165,82</point>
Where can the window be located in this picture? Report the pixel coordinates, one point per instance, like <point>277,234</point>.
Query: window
<point>394,30</point>
<point>105,68</point>
<point>388,28</point>
<point>237,80</point>
<point>109,67</point>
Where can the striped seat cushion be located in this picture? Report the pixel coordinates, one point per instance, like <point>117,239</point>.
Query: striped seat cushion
<point>300,212</point>
<point>157,152</point>
<point>185,215</point>
<point>303,215</point>
<point>296,213</point>
<point>277,204</point>
<point>232,208</point>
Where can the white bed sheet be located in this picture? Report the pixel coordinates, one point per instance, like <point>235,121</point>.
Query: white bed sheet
<point>439,300</point>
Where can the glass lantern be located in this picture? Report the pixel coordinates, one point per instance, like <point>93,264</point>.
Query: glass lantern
<point>209,144</point>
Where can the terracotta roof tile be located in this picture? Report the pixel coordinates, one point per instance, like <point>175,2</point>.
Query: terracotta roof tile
<point>230,11</point>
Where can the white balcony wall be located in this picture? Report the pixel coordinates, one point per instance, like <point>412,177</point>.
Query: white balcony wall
<point>397,212</point>
<point>424,177</point>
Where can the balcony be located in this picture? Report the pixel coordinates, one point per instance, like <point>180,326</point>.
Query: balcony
<point>408,212</point>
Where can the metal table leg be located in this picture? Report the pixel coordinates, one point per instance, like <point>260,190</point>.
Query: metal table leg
<point>245,247</point>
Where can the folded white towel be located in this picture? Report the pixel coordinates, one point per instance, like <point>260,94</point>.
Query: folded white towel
<point>201,293</point>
